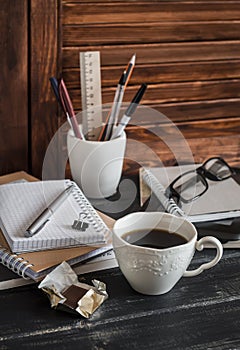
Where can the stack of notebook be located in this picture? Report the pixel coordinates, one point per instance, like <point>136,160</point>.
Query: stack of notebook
<point>216,212</point>
<point>34,257</point>
<point>220,201</point>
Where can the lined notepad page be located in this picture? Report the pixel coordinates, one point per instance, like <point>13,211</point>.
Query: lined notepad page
<point>21,203</point>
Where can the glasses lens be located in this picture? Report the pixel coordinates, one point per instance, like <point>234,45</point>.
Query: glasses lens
<point>218,168</point>
<point>190,186</point>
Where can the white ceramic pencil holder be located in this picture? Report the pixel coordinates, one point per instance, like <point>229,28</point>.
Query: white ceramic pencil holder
<point>96,166</point>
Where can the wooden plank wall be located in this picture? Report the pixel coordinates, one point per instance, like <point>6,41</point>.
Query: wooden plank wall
<point>29,56</point>
<point>187,51</point>
<point>44,31</point>
<point>14,86</point>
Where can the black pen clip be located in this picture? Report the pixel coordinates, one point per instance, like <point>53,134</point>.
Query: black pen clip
<point>80,224</point>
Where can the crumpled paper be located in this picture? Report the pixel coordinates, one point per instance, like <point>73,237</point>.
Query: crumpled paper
<point>67,293</point>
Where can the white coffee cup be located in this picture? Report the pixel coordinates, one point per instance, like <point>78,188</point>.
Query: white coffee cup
<point>96,166</point>
<point>155,271</point>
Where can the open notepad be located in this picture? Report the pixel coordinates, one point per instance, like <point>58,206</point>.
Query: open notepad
<point>221,201</point>
<point>21,203</point>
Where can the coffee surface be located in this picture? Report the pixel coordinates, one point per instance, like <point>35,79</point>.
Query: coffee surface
<point>155,238</point>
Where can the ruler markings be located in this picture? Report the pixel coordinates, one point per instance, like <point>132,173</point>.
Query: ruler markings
<point>91,92</point>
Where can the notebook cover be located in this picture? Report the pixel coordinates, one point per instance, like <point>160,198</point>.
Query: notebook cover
<point>19,175</point>
<point>41,260</point>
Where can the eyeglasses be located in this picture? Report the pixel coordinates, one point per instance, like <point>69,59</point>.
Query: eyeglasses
<point>193,184</point>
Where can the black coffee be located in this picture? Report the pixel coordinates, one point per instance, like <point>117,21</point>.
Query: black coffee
<point>158,239</point>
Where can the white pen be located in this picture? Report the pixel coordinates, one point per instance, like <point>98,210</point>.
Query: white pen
<point>129,112</point>
<point>44,217</point>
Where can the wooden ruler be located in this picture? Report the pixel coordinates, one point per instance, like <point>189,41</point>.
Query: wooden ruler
<point>91,93</point>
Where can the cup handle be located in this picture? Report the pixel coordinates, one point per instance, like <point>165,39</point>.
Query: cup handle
<point>200,245</point>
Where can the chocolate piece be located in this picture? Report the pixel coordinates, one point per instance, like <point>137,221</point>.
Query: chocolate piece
<point>73,294</point>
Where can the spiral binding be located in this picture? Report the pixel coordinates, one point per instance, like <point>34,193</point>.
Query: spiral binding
<point>168,203</point>
<point>86,207</point>
<point>14,262</point>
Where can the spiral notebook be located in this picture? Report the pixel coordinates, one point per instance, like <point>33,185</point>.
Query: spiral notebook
<point>221,201</point>
<point>21,203</point>
<point>36,265</point>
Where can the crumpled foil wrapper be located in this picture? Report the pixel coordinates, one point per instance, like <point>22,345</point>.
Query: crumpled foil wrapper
<point>67,293</point>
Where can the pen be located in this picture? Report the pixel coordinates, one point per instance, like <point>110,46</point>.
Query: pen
<point>68,108</point>
<point>55,87</point>
<point>106,131</point>
<point>116,105</point>
<point>54,84</point>
<point>44,217</point>
<point>129,112</point>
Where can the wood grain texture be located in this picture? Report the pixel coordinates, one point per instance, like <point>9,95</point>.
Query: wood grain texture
<point>151,145</point>
<point>142,1</point>
<point>85,13</point>
<point>172,92</point>
<point>44,64</point>
<point>128,320</point>
<point>187,53</point>
<point>198,110</point>
<point>156,53</point>
<point>156,32</point>
<point>165,72</point>
<point>13,86</point>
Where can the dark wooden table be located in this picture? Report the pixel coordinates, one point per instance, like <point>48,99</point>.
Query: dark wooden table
<point>200,313</point>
